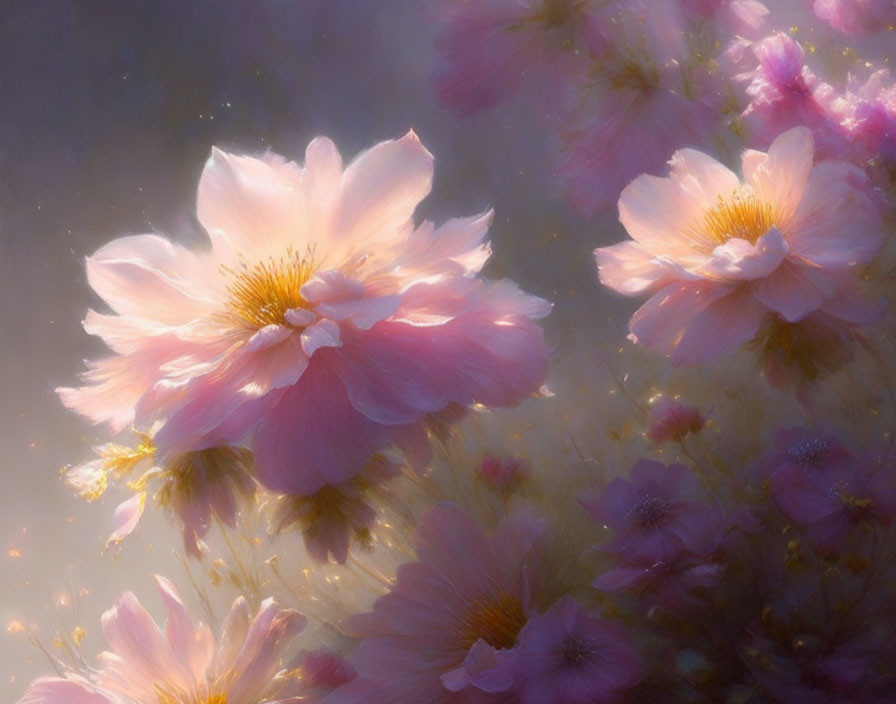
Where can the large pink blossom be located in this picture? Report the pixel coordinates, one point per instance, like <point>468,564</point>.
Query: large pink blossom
<point>722,256</point>
<point>182,663</point>
<point>449,616</point>
<point>321,324</point>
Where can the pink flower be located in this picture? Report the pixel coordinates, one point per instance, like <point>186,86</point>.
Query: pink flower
<point>321,326</point>
<point>656,514</point>
<point>673,421</point>
<point>633,116</point>
<point>491,47</point>
<point>722,257</point>
<point>870,120</point>
<point>567,656</point>
<point>147,665</point>
<point>194,486</point>
<point>334,515</point>
<point>735,15</point>
<point>784,93</point>
<point>449,614</point>
<point>856,17</point>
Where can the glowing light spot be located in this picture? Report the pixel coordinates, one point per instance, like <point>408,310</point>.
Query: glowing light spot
<point>14,553</point>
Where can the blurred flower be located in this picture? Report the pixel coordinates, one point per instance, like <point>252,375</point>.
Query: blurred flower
<point>491,47</point>
<point>784,93</point>
<point>797,355</point>
<point>809,669</point>
<point>670,585</point>
<point>656,514</point>
<point>180,664</point>
<point>723,257</point>
<point>567,656</point>
<point>194,486</point>
<point>319,328</point>
<point>736,16</point>
<point>673,421</point>
<point>870,121</point>
<point>857,17</point>
<point>800,448</point>
<point>634,114</point>
<point>466,600</point>
<point>335,514</point>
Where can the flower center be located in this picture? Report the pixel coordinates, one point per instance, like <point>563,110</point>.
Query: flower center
<point>188,475</point>
<point>808,452</point>
<point>262,294</point>
<point>573,651</point>
<point>743,216</point>
<point>497,622</point>
<point>650,512</point>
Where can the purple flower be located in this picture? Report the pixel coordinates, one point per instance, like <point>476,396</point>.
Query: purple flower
<point>669,585</point>
<point>568,656</point>
<point>833,498</point>
<point>656,514</point>
<point>800,448</point>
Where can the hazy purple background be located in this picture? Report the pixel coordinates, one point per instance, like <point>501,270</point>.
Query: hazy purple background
<point>107,113</point>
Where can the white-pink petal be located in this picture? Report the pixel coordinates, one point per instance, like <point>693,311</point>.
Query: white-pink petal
<point>380,191</point>
<point>740,260</point>
<point>324,333</point>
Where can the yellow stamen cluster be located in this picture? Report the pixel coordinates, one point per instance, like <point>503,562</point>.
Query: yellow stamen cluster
<point>744,217</point>
<point>262,294</point>
<point>166,696</point>
<point>188,474</point>
<point>497,622</point>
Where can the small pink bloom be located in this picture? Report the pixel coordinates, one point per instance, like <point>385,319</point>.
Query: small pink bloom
<point>784,93</point>
<point>721,256</point>
<point>446,617</point>
<point>656,514</point>
<point>503,474</point>
<point>673,421</point>
<point>148,665</point>
<point>856,17</point>
<point>321,325</point>
<point>568,656</point>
